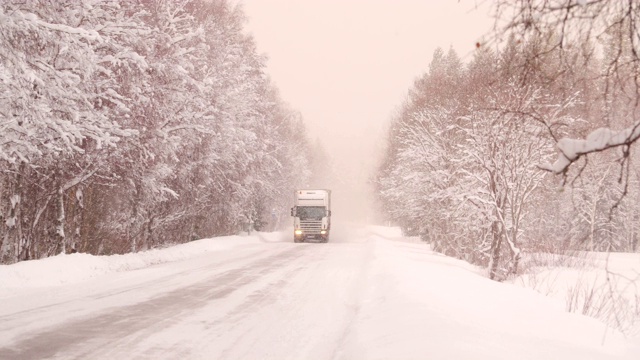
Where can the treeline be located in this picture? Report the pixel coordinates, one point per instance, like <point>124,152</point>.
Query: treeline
<point>126,125</point>
<point>466,152</point>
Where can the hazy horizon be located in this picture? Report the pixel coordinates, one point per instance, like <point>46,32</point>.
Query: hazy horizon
<point>347,66</point>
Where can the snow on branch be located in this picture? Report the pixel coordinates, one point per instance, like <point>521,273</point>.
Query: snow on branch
<point>570,150</point>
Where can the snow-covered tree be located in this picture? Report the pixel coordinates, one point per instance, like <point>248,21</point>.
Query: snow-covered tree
<point>127,125</point>
<point>56,133</point>
<point>569,25</point>
<point>465,168</point>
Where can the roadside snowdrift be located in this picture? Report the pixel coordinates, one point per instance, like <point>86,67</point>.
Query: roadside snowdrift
<point>600,285</point>
<point>411,284</point>
<point>72,268</point>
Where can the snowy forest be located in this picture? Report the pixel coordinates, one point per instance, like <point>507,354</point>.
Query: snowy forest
<point>527,146</point>
<point>129,125</point>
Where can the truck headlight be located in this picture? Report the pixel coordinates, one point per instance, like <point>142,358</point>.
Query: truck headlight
<point>323,232</point>
<point>298,232</point>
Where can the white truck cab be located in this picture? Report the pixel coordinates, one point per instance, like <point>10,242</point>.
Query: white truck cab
<point>311,215</point>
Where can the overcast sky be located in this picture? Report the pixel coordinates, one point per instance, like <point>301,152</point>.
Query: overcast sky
<point>346,65</point>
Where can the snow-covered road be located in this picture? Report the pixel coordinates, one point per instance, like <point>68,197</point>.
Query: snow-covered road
<point>368,294</point>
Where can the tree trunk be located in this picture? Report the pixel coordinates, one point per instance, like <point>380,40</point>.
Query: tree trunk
<point>78,215</point>
<point>592,230</point>
<point>12,248</point>
<point>60,235</point>
<point>495,250</point>
<point>136,204</point>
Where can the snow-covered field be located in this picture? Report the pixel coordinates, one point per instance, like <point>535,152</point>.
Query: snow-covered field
<point>368,294</point>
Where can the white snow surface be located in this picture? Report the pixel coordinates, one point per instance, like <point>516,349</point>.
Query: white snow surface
<point>368,294</point>
<point>73,268</point>
<point>602,285</point>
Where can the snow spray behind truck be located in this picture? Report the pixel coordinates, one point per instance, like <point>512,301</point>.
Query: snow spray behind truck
<point>311,215</point>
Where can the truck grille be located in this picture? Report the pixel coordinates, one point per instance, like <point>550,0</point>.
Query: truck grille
<point>311,226</point>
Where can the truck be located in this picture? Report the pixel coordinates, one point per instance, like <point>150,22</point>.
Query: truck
<point>311,215</point>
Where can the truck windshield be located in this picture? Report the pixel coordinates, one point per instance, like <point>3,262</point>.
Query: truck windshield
<point>310,212</point>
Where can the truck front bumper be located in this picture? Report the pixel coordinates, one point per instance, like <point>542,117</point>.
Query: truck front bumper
<point>302,237</point>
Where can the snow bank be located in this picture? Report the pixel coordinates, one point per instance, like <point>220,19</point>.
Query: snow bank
<point>603,286</point>
<point>425,305</point>
<point>64,269</point>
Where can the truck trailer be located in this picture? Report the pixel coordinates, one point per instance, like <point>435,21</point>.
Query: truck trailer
<point>311,215</point>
